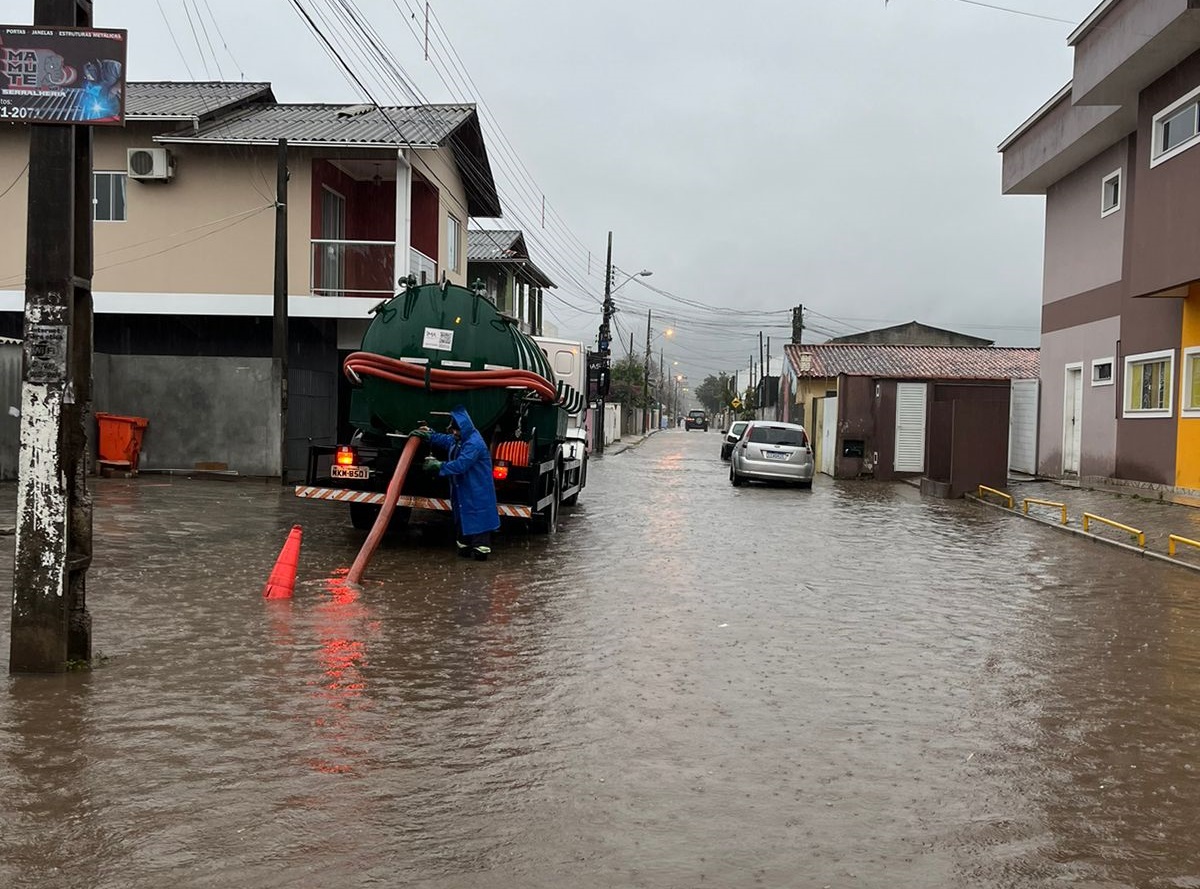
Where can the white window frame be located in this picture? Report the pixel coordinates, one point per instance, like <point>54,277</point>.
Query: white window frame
<point>1169,389</point>
<point>454,241</point>
<point>1104,209</point>
<point>1157,155</point>
<point>1112,371</point>
<point>124,174</point>
<point>1185,385</point>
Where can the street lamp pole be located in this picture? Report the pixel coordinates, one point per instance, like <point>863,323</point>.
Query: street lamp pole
<point>646,381</point>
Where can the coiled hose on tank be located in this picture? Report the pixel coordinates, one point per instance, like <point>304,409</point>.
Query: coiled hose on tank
<point>360,364</point>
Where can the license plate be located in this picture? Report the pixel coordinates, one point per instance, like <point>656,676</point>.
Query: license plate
<point>360,473</point>
<point>775,455</point>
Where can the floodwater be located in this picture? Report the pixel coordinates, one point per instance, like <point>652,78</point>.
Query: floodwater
<point>689,685</point>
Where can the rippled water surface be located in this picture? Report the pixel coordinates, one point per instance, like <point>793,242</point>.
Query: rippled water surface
<point>689,685</point>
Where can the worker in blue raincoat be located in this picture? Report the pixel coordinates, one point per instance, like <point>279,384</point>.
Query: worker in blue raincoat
<point>472,491</point>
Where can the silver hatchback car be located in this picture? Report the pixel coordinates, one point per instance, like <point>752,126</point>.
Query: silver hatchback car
<point>772,452</point>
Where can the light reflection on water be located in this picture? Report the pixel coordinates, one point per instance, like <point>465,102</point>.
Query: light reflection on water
<point>689,685</point>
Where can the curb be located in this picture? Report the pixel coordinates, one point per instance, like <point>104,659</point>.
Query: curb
<point>618,447</point>
<point>1079,532</point>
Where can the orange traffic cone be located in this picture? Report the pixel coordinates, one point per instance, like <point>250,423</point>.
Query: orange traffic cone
<point>282,581</point>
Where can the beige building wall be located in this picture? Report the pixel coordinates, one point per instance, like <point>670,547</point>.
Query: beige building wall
<point>441,170</point>
<point>210,229</point>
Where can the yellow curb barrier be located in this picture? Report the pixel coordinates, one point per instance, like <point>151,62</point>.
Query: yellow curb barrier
<point>1007,497</point>
<point>1091,517</point>
<point>1175,539</point>
<point>1025,504</point>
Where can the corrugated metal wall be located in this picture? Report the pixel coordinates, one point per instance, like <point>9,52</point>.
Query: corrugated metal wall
<point>10,402</point>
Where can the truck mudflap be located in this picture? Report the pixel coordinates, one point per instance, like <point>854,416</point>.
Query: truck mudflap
<point>345,495</point>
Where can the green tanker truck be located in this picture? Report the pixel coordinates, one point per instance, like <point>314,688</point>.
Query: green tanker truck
<point>433,347</point>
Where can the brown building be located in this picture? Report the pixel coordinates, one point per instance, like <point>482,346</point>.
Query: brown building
<point>1112,154</point>
<point>914,333</point>
<point>184,240</point>
<point>890,411</point>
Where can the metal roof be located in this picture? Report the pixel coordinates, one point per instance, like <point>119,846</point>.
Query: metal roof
<point>505,247</point>
<point>913,362</point>
<point>423,126</point>
<point>483,245</point>
<point>179,100</point>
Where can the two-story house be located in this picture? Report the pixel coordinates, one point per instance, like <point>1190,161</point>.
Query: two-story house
<point>1112,153</point>
<point>184,209</point>
<point>500,260</point>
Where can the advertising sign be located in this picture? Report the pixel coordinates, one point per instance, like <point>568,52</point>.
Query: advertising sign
<point>62,75</point>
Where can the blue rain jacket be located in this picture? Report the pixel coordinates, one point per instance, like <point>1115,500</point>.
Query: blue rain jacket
<point>469,468</point>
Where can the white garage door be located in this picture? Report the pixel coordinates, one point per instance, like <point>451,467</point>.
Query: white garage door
<point>1023,427</point>
<point>910,427</point>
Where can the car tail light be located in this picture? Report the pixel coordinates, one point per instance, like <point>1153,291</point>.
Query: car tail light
<point>345,456</point>
<point>500,471</point>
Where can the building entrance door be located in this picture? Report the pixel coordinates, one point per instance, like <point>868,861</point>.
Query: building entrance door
<point>1072,419</point>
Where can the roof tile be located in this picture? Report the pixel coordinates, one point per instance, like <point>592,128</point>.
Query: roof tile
<point>913,362</point>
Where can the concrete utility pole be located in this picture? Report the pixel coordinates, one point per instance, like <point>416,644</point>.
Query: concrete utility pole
<point>50,622</point>
<point>279,326</point>
<point>604,348</point>
<point>646,381</point>
<point>798,324</point>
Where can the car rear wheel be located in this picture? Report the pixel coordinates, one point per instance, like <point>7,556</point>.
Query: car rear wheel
<point>807,486</point>
<point>734,479</point>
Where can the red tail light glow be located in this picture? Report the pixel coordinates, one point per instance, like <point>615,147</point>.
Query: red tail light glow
<point>500,471</point>
<point>345,456</point>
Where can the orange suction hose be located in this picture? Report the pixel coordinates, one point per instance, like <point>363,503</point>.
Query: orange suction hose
<point>385,512</point>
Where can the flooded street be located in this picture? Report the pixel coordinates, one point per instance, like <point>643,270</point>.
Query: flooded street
<point>689,685</point>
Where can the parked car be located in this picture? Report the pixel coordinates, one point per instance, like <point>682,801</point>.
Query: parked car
<point>732,434</point>
<point>696,420</point>
<point>768,452</point>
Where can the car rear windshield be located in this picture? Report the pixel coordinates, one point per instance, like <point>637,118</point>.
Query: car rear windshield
<point>696,415</point>
<point>774,435</point>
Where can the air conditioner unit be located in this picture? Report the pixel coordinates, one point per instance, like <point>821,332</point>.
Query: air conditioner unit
<point>149,163</point>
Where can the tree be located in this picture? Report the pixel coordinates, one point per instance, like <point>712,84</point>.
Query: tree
<point>628,382</point>
<point>715,393</point>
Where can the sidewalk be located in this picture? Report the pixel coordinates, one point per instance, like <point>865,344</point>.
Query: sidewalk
<point>1158,519</point>
<point>624,444</point>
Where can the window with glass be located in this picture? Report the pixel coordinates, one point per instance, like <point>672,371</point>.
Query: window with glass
<point>1176,128</point>
<point>1191,380</point>
<point>108,197</point>
<point>1148,384</point>
<point>1110,193</point>
<point>1102,372</point>
<point>453,242</point>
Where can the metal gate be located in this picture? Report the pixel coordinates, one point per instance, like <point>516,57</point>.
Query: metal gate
<point>829,419</point>
<point>312,415</point>
<point>1023,427</point>
<point>910,427</point>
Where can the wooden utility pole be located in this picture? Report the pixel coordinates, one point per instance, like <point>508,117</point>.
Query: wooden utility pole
<point>279,327</point>
<point>50,622</point>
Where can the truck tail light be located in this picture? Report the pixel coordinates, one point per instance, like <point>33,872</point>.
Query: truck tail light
<point>500,471</point>
<point>345,456</point>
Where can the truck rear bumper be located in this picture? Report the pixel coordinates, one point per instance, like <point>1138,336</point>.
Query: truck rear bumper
<point>345,495</point>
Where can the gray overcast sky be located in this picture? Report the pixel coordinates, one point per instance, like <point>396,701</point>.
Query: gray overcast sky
<point>757,155</point>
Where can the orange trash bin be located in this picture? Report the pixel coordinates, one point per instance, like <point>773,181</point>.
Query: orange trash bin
<point>120,441</point>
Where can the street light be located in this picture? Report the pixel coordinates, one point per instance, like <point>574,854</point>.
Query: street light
<point>644,273</point>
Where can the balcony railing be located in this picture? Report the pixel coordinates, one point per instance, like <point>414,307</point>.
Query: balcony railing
<point>421,266</point>
<point>352,268</point>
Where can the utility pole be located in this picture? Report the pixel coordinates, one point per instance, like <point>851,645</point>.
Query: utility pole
<point>770,400</point>
<point>604,346</point>
<point>646,381</point>
<point>762,375</point>
<point>798,324</point>
<point>279,327</point>
<point>659,388</point>
<point>50,622</point>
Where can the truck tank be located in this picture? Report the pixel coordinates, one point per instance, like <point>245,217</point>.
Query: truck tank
<point>444,326</point>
